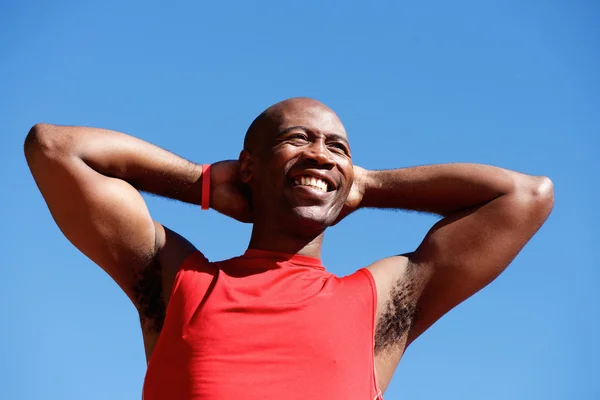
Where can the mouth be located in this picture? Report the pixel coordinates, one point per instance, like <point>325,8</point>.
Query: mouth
<point>312,182</point>
<point>313,179</point>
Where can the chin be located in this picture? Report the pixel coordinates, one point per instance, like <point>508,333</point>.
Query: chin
<point>313,218</point>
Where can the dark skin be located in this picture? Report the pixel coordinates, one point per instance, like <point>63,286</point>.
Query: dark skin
<point>91,178</point>
<point>297,138</point>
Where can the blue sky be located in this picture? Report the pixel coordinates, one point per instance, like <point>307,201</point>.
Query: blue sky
<point>512,83</point>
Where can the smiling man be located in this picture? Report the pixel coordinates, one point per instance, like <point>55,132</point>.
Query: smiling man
<point>273,323</point>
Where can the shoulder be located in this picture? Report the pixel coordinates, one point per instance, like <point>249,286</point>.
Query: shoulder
<point>172,250</point>
<point>388,273</point>
<point>154,282</point>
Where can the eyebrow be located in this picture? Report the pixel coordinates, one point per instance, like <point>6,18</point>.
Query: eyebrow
<point>335,136</point>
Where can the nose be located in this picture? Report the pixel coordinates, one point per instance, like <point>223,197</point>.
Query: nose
<point>318,153</point>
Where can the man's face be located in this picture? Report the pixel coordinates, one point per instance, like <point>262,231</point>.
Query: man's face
<point>303,173</point>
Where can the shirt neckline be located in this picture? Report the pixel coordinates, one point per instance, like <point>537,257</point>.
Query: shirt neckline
<point>295,259</point>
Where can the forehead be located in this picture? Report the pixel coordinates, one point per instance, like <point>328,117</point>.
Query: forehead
<point>313,116</point>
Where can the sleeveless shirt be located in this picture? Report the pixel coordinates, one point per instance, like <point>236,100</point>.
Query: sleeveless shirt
<point>265,325</point>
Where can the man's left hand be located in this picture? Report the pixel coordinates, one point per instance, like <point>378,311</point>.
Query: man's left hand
<point>356,194</point>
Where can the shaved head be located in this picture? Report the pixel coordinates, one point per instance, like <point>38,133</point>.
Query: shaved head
<point>267,123</point>
<point>294,140</point>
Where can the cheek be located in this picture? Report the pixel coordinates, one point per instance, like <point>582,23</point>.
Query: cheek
<point>271,170</point>
<point>283,160</point>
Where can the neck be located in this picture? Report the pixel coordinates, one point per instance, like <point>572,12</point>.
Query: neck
<point>278,239</point>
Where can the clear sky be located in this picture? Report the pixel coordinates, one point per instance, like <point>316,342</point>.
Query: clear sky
<point>511,83</point>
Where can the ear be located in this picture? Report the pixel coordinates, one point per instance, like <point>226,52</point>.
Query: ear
<point>246,165</point>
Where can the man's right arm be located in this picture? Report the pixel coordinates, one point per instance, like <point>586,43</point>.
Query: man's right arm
<point>90,179</point>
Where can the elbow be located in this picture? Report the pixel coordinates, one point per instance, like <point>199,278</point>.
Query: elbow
<point>543,193</point>
<point>44,139</point>
<point>37,138</point>
<point>537,196</point>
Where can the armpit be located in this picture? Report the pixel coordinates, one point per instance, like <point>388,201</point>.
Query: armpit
<point>398,315</point>
<point>149,297</point>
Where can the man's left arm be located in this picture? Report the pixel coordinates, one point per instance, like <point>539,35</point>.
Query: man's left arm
<point>489,215</point>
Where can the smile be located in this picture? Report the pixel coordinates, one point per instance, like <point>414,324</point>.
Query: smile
<point>312,182</point>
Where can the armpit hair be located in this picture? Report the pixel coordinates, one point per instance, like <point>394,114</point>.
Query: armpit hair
<point>149,296</point>
<point>398,315</point>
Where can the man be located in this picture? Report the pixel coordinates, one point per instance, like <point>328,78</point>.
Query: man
<point>273,323</point>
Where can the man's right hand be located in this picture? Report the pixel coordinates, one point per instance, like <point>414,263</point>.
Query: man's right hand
<point>228,194</point>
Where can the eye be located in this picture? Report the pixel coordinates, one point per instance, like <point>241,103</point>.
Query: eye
<point>339,147</point>
<point>297,138</point>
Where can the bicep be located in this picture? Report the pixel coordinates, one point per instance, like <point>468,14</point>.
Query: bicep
<point>465,252</point>
<point>105,218</point>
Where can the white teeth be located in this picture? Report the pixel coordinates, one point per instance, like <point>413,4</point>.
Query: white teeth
<point>312,182</point>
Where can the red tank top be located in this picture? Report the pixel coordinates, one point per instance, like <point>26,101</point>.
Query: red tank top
<point>265,326</point>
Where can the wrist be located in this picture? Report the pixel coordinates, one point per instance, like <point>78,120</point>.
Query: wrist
<point>357,191</point>
<point>206,189</point>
